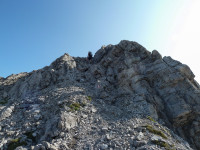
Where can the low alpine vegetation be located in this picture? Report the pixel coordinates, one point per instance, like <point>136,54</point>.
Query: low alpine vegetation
<point>75,106</point>
<point>154,131</point>
<point>163,144</point>
<point>89,98</point>
<point>150,118</point>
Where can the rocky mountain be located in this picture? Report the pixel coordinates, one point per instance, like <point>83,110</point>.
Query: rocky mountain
<point>124,98</point>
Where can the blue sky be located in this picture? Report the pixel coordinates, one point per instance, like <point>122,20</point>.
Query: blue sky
<point>35,33</point>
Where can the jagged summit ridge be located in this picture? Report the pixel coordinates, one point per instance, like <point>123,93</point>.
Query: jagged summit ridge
<point>124,98</point>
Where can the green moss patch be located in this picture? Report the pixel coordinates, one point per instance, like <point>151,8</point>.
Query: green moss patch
<point>157,132</point>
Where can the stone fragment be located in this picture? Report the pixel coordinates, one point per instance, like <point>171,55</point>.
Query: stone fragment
<point>140,136</point>
<point>104,146</point>
<point>68,121</point>
<point>6,113</point>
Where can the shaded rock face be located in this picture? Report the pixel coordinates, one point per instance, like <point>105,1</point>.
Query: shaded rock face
<point>125,97</point>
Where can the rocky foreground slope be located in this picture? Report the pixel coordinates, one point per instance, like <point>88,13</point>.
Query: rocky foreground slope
<point>125,98</point>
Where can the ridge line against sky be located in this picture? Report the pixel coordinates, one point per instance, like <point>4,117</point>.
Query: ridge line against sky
<point>35,33</point>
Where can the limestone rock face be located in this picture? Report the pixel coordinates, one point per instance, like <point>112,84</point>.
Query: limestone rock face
<point>124,98</point>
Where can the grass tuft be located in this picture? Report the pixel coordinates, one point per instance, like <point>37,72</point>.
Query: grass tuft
<point>75,106</point>
<point>157,132</point>
<point>150,118</point>
<point>163,144</point>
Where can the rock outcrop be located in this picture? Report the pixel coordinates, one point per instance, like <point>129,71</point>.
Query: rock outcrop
<point>125,97</point>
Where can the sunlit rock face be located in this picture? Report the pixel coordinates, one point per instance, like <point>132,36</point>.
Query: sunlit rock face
<point>125,97</point>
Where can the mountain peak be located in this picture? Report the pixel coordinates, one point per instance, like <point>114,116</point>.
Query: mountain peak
<point>125,97</point>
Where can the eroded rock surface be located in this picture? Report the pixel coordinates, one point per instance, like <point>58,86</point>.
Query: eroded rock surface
<point>124,98</point>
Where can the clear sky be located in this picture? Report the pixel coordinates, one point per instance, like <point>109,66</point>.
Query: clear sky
<point>33,33</point>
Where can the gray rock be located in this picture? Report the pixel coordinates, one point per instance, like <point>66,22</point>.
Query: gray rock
<point>21,148</point>
<point>140,136</point>
<point>156,55</point>
<point>104,146</point>
<point>5,95</point>
<point>6,113</point>
<point>100,53</point>
<point>169,61</point>
<point>139,143</point>
<point>39,147</point>
<point>48,146</point>
<point>67,121</point>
